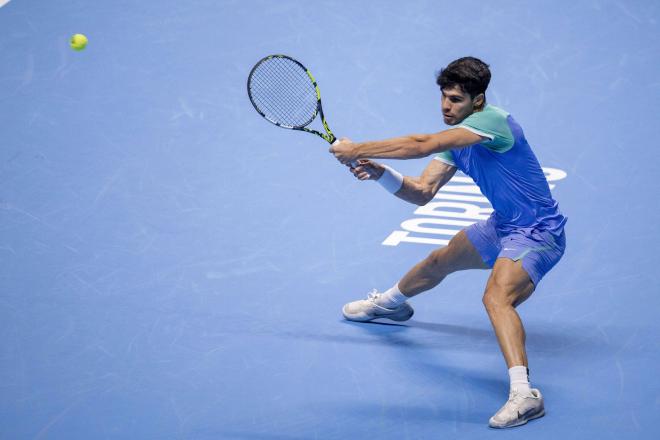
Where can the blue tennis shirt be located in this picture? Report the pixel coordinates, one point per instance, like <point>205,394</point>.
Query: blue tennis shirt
<point>508,173</point>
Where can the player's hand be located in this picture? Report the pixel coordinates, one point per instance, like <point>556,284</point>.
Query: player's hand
<point>344,151</point>
<point>368,170</point>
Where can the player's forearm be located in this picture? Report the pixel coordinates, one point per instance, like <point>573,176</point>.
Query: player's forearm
<point>406,147</point>
<point>413,192</point>
<point>418,190</point>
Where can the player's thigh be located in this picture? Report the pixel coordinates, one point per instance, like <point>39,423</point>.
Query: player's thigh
<point>459,254</point>
<point>508,284</point>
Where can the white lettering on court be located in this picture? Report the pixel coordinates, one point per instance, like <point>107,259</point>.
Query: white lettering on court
<point>456,206</point>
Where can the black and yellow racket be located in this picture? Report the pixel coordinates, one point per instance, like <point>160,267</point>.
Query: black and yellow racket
<point>284,92</point>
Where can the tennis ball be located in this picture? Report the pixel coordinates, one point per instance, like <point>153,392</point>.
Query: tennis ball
<point>78,42</point>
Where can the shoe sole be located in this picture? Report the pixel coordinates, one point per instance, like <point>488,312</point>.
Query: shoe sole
<point>363,317</point>
<point>522,422</point>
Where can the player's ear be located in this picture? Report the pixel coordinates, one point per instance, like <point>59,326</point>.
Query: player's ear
<point>479,101</point>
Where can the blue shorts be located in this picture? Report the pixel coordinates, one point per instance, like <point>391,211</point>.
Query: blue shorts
<point>539,250</point>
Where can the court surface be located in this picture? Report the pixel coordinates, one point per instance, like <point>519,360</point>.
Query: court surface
<point>172,266</point>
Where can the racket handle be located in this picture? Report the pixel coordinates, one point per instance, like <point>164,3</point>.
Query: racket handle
<point>353,163</point>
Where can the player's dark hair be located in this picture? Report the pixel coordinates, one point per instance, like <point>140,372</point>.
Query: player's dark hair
<point>470,74</point>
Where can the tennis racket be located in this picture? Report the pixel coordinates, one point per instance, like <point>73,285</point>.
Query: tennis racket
<point>284,92</point>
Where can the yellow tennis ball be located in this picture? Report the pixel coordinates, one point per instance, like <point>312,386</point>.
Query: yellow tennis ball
<point>78,42</point>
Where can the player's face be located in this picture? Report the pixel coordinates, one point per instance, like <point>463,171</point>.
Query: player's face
<point>458,105</point>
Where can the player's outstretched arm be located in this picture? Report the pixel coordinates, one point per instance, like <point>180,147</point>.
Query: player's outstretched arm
<point>418,190</point>
<point>406,147</point>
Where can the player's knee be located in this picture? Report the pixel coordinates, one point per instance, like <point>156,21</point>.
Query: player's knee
<point>502,293</point>
<point>507,288</point>
<point>496,297</point>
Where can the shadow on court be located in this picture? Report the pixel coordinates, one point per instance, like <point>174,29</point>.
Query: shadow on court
<point>414,334</point>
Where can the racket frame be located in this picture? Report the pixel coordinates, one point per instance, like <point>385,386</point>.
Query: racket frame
<point>328,135</point>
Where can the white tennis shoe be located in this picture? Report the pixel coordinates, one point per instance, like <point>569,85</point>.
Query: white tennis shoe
<point>366,310</point>
<point>518,410</point>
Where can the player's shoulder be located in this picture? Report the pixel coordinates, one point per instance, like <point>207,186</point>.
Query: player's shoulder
<point>490,114</point>
<point>492,123</point>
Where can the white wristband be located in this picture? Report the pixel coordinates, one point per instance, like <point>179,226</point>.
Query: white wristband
<point>391,180</point>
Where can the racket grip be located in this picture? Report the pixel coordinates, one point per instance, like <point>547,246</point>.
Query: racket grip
<point>353,163</point>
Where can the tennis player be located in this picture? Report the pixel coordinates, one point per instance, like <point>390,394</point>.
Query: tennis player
<point>521,241</point>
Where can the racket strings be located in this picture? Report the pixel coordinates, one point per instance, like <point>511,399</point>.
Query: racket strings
<point>284,93</point>
<point>289,93</point>
<point>281,90</point>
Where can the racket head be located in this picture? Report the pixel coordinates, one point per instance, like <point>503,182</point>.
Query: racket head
<point>284,92</point>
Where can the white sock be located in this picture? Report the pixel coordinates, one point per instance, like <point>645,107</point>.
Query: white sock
<point>391,298</point>
<point>519,376</point>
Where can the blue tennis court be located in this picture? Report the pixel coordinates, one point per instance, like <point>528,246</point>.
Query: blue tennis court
<point>172,266</point>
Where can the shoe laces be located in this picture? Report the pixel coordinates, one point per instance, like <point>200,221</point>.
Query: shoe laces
<point>517,396</point>
<point>373,295</point>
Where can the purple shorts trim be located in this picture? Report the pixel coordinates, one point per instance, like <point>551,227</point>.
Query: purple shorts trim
<point>539,250</point>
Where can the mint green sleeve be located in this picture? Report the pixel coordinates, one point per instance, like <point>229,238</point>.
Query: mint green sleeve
<point>492,124</point>
<point>446,157</point>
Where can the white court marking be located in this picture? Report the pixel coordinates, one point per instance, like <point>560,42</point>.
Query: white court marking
<point>3,2</point>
